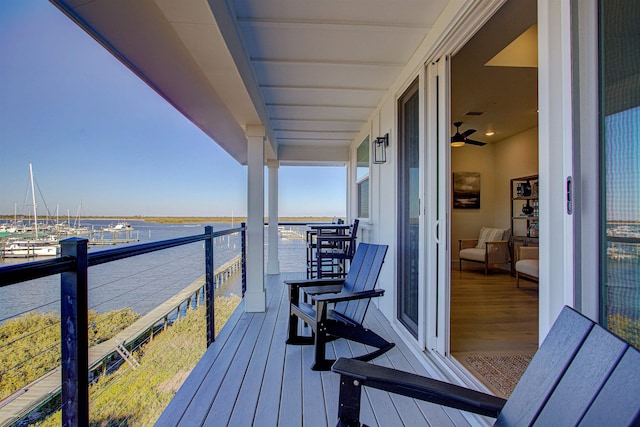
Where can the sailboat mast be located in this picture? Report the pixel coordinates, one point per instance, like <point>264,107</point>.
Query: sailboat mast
<point>33,197</point>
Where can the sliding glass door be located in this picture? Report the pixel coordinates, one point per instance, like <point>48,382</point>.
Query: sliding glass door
<point>408,208</point>
<point>620,168</point>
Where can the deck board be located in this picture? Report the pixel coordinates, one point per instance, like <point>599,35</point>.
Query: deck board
<point>269,397</point>
<point>224,403</point>
<point>313,413</point>
<point>249,376</point>
<point>435,414</point>
<point>250,390</point>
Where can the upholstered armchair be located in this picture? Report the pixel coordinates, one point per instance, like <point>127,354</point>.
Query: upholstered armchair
<point>491,247</point>
<point>527,264</point>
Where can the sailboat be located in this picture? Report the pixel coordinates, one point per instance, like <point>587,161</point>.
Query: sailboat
<point>31,247</point>
<point>62,229</point>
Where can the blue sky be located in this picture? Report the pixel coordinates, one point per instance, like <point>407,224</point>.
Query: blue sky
<point>97,135</point>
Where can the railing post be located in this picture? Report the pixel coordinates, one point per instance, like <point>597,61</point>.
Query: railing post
<point>243,248</point>
<point>210,286</point>
<point>75,336</point>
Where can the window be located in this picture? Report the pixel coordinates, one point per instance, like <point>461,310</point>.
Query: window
<point>620,148</point>
<point>362,178</point>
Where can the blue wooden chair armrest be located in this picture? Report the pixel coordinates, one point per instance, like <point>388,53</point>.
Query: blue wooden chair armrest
<point>348,296</point>
<point>314,287</point>
<point>324,289</point>
<point>314,282</point>
<point>354,374</point>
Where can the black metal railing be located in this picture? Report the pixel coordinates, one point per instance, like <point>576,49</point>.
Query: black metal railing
<point>73,266</point>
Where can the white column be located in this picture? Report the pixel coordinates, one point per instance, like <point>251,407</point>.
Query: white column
<point>273,263</point>
<point>255,296</point>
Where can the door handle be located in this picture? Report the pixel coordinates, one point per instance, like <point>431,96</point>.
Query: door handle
<point>569,195</point>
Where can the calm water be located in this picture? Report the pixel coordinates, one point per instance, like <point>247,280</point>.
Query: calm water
<point>622,281</point>
<point>144,281</point>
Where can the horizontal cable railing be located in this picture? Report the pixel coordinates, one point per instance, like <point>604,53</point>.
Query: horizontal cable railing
<point>32,270</point>
<point>76,322</point>
<point>82,324</point>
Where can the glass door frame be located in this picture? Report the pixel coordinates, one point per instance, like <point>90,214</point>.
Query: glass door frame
<point>438,233</point>
<point>414,88</point>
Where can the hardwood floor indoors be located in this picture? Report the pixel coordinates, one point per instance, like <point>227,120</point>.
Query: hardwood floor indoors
<point>493,319</point>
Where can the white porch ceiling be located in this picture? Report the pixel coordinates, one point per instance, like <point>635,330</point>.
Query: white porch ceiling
<point>318,70</point>
<point>312,73</point>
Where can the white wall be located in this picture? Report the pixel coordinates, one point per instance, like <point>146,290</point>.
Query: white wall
<point>466,223</point>
<point>383,213</point>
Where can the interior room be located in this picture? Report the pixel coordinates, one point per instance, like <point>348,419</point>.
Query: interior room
<point>494,316</point>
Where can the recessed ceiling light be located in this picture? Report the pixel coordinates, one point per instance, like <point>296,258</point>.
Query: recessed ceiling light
<point>489,133</point>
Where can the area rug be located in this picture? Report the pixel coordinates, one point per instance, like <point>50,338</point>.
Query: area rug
<point>500,371</point>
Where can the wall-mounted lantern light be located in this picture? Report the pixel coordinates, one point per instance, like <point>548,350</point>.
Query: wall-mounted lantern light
<point>380,149</point>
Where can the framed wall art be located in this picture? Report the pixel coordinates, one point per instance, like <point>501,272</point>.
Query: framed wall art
<point>466,190</point>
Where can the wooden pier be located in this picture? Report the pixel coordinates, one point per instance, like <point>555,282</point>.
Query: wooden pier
<point>291,233</point>
<point>106,237</point>
<point>108,242</point>
<point>34,395</point>
<point>227,270</point>
<point>98,238</point>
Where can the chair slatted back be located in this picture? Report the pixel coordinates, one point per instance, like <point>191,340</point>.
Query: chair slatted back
<point>350,249</point>
<point>362,276</point>
<point>581,375</point>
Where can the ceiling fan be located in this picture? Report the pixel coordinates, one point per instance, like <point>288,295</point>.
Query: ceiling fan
<point>460,139</point>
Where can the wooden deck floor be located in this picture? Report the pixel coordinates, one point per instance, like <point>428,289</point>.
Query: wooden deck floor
<point>248,376</point>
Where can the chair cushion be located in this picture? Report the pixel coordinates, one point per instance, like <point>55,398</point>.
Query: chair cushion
<point>528,267</point>
<point>473,254</point>
<point>489,235</point>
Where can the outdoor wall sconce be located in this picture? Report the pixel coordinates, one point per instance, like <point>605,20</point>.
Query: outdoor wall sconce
<point>380,149</point>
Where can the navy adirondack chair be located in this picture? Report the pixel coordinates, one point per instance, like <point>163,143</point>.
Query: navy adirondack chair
<point>338,306</point>
<point>582,375</point>
<point>335,251</point>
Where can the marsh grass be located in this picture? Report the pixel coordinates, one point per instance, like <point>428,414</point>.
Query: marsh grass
<point>30,344</point>
<point>137,397</point>
<point>225,219</point>
<point>626,328</point>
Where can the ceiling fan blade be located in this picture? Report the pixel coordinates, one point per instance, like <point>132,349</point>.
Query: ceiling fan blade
<point>467,132</point>
<point>472,142</point>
